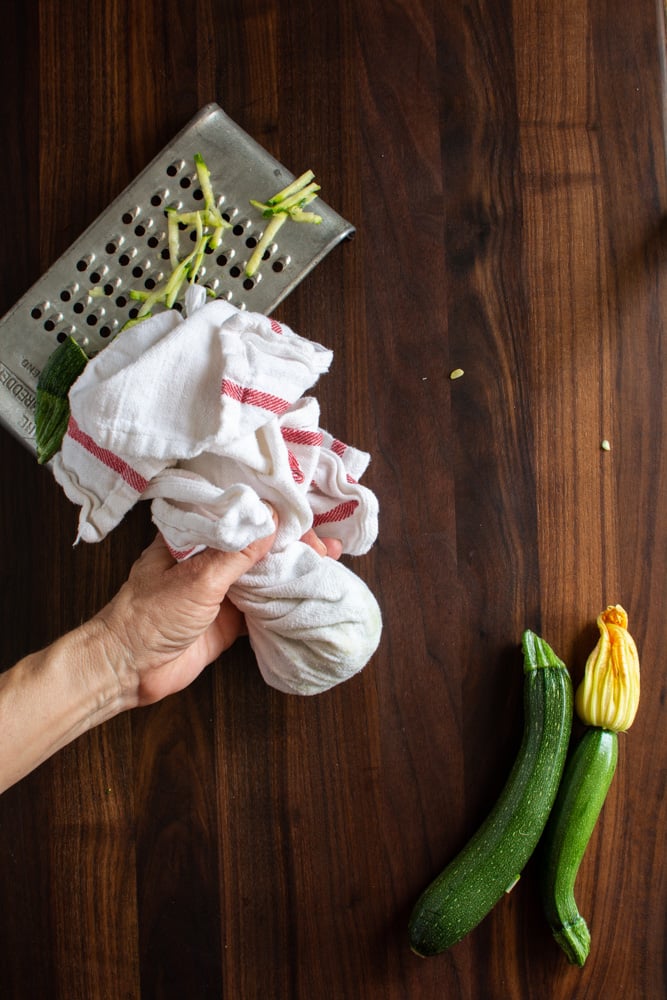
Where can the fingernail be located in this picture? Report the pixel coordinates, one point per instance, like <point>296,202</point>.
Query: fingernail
<point>336,550</point>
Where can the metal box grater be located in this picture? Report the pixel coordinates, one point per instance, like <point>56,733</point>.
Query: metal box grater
<point>126,248</point>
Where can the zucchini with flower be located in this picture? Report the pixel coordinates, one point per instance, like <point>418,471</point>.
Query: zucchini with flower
<point>606,701</point>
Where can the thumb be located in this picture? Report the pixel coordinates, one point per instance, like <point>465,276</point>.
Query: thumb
<point>211,573</point>
<point>218,570</point>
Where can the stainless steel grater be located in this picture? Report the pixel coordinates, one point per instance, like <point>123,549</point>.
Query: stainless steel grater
<point>126,248</point>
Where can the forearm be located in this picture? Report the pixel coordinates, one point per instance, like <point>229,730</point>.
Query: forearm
<point>53,696</point>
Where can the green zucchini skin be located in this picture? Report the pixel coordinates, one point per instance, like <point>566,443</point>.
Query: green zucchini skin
<point>493,859</point>
<point>59,374</point>
<point>586,780</point>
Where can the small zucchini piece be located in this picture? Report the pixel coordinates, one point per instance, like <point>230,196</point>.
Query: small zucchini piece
<point>493,859</point>
<point>586,780</point>
<point>59,374</point>
<point>606,701</point>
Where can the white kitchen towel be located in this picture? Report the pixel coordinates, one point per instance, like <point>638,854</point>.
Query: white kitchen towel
<point>205,416</point>
<point>311,621</point>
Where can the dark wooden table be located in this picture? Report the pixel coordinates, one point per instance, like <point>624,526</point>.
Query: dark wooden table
<point>504,165</point>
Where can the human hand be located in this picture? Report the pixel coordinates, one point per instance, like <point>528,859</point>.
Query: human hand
<point>169,620</point>
<point>165,624</point>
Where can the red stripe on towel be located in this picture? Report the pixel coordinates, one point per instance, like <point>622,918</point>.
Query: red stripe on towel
<point>339,513</point>
<point>180,554</point>
<point>297,473</point>
<point>106,457</point>
<point>254,397</point>
<point>276,327</point>
<point>297,435</point>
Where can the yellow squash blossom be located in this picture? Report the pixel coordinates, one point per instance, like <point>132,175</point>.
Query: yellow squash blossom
<point>608,696</point>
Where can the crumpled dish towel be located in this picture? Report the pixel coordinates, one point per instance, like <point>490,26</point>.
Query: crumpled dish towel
<point>204,415</point>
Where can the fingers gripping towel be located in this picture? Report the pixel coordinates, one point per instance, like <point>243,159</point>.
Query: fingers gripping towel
<point>206,416</point>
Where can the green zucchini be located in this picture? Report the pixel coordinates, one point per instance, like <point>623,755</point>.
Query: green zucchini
<point>493,859</point>
<point>588,775</point>
<point>59,374</point>
<point>606,702</point>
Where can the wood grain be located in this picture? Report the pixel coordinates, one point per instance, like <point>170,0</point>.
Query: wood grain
<point>504,164</point>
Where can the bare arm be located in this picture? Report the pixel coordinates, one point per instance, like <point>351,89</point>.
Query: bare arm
<point>51,697</point>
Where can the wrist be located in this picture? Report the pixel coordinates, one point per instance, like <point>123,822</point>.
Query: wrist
<point>89,666</point>
<point>113,680</point>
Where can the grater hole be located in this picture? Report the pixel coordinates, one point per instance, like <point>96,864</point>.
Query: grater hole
<point>134,313</point>
<point>91,319</point>
<point>156,200</point>
<point>114,244</point>
<point>108,289</point>
<point>197,194</point>
<point>137,271</point>
<point>124,260</point>
<point>78,307</point>
<point>222,259</point>
<point>280,264</point>
<point>238,229</point>
<point>36,313</point>
<point>105,331</point>
<point>65,295</point>
<point>82,265</point>
<point>152,242</point>
<point>165,254</point>
<point>49,325</point>
<point>251,242</point>
<point>185,182</point>
<point>95,277</point>
<point>149,283</point>
<point>61,337</point>
<point>140,230</point>
<point>121,301</point>
<point>249,284</point>
<point>235,271</point>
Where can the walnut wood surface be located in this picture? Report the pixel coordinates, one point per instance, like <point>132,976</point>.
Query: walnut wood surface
<point>504,164</point>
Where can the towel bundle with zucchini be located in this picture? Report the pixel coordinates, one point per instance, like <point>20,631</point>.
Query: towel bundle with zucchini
<point>206,415</point>
<point>548,799</point>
